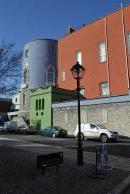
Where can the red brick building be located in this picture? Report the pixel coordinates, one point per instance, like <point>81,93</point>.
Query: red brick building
<point>103,48</point>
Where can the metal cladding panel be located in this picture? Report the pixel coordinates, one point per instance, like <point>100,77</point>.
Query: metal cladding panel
<point>39,55</point>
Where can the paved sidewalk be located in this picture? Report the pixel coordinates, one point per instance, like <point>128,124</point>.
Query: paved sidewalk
<point>89,157</point>
<point>19,174</point>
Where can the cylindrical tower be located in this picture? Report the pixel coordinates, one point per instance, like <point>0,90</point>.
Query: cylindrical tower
<point>39,63</point>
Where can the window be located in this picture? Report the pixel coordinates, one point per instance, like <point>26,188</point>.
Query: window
<point>42,103</point>
<point>26,53</point>
<point>102,52</point>
<point>79,56</point>
<point>128,42</point>
<point>23,99</point>
<point>36,104</point>
<point>25,75</point>
<point>92,126</point>
<point>104,89</point>
<point>63,76</point>
<point>50,76</point>
<point>39,104</point>
<point>82,91</point>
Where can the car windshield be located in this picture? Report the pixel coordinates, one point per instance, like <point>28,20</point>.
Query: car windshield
<point>22,126</point>
<point>101,126</point>
<point>55,128</point>
<point>58,128</point>
<point>61,129</point>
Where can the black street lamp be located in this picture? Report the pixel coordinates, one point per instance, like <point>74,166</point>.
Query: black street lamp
<point>78,73</point>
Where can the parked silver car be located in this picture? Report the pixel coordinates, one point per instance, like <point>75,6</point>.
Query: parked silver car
<point>96,131</point>
<point>22,129</point>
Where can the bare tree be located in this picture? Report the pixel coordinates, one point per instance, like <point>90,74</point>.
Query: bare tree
<point>10,68</point>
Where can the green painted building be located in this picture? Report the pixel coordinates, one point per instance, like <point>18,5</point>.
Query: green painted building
<point>41,100</point>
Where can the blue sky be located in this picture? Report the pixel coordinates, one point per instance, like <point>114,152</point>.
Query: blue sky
<point>24,20</point>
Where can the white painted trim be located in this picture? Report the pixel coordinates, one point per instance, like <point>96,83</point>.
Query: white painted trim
<point>108,73</point>
<point>126,57</point>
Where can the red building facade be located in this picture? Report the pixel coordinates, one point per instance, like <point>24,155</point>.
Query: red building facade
<point>103,48</point>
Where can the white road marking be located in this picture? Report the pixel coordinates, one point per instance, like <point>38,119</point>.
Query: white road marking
<point>10,139</point>
<point>32,145</point>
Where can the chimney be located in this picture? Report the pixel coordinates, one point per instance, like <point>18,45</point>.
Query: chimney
<point>70,30</point>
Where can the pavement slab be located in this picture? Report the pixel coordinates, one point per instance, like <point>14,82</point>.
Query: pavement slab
<point>19,174</point>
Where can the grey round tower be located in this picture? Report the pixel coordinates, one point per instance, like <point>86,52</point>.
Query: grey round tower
<point>39,63</point>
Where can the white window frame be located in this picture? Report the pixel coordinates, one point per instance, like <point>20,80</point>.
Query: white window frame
<point>26,53</point>
<point>50,75</point>
<point>82,91</point>
<point>63,76</point>
<point>79,56</point>
<point>102,52</point>
<point>104,89</point>
<point>25,75</point>
<point>24,99</point>
<point>128,42</point>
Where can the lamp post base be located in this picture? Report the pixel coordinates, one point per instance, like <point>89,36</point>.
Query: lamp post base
<point>79,156</point>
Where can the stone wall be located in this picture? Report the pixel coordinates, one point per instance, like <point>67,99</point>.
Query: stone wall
<point>113,115</point>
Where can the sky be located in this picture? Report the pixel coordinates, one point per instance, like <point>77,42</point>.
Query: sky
<point>24,20</point>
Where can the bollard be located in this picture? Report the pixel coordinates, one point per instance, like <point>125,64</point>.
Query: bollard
<point>102,162</point>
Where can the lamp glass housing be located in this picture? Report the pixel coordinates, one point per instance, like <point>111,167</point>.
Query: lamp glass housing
<point>78,71</point>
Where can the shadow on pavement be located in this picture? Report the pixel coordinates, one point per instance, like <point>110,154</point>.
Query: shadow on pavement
<point>19,175</point>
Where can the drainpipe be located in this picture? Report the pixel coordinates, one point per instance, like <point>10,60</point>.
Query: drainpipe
<point>108,69</point>
<point>124,35</point>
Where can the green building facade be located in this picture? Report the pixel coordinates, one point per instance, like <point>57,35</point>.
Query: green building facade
<point>41,99</point>
<point>40,107</point>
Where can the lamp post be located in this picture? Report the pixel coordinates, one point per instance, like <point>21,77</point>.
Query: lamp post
<point>78,73</point>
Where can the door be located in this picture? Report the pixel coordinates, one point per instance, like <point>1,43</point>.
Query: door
<point>94,131</point>
<point>49,131</point>
<point>86,130</point>
<point>39,124</point>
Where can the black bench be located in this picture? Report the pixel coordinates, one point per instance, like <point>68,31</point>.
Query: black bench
<point>51,159</point>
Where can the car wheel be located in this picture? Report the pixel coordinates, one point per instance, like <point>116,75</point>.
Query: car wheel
<point>54,135</point>
<point>25,132</point>
<point>104,138</point>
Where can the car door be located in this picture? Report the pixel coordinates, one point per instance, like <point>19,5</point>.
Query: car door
<point>44,132</point>
<point>86,130</point>
<point>50,131</point>
<point>94,131</point>
<point>53,131</point>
